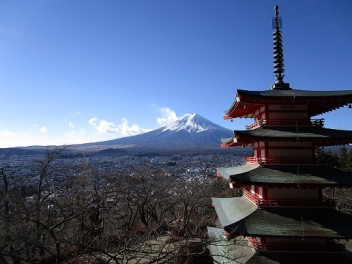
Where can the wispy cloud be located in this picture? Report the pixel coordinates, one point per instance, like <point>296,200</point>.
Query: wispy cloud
<point>77,113</point>
<point>5,133</point>
<point>167,116</point>
<point>39,134</point>
<point>68,119</point>
<point>37,127</point>
<point>122,129</point>
<point>43,129</point>
<point>103,126</point>
<point>15,139</point>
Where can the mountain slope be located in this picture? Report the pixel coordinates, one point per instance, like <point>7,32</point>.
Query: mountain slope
<point>191,131</point>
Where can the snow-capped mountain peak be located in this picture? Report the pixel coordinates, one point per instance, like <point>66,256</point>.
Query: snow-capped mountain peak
<point>191,131</point>
<point>193,123</point>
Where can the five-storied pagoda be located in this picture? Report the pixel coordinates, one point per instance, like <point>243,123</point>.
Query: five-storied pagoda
<point>282,215</point>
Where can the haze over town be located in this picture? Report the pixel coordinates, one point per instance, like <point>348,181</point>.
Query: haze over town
<point>90,71</point>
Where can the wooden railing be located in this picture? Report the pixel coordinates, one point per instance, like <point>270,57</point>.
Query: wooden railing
<point>255,243</point>
<point>297,202</point>
<point>280,160</point>
<point>252,197</point>
<point>252,160</point>
<point>325,202</point>
<point>310,246</point>
<point>256,124</point>
<point>286,122</point>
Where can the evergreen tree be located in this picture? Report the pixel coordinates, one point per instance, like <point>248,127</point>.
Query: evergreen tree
<point>345,159</point>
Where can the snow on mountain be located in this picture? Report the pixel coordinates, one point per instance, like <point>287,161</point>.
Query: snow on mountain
<point>193,123</point>
<point>191,131</point>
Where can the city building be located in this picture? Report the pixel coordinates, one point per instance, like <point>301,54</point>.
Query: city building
<point>282,215</point>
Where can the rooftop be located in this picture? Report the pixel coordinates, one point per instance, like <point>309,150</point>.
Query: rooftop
<point>294,222</point>
<point>230,210</point>
<point>287,174</point>
<point>298,257</point>
<point>318,102</point>
<point>223,251</point>
<point>324,136</point>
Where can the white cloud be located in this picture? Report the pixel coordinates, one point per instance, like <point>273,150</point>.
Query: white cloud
<point>93,121</point>
<point>36,126</point>
<point>126,130</point>
<point>78,113</point>
<point>39,134</point>
<point>14,139</point>
<point>77,136</point>
<point>167,116</point>
<point>68,119</point>
<point>106,127</point>
<point>17,139</point>
<point>123,129</point>
<point>5,133</point>
<point>43,129</point>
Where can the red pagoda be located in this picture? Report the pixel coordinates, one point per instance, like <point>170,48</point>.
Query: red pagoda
<point>282,215</point>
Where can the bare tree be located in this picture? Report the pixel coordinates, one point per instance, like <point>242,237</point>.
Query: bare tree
<point>133,216</point>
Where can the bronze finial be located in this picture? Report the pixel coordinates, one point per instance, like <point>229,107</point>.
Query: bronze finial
<point>278,52</point>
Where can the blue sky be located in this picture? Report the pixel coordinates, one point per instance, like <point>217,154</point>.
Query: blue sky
<point>75,71</point>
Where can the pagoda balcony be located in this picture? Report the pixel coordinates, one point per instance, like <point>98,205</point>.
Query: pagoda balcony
<point>308,246</point>
<point>324,202</point>
<point>279,160</point>
<point>286,122</point>
<point>256,243</point>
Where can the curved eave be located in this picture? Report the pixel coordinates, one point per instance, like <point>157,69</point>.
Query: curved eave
<point>233,209</point>
<point>229,142</point>
<point>319,102</point>
<point>243,107</point>
<point>320,175</point>
<point>294,257</point>
<point>242,110</point>
<point>224,251</point>
<point>233,142</point>
<point>320,136</point>
<point>294,222</point>
<point>324,108</point>
<point>297,94</point>
<point>227,173</point>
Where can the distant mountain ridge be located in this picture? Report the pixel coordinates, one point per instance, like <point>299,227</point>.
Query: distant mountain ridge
<point>191,131</point>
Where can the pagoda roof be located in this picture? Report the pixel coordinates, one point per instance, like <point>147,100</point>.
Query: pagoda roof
<point>287,174</point>
<point>230,210</point>
<point>294,93</point>
<point>226,173</point>
<point>223,251</point>
<point>297,257</point>
<point>326,136</point>
<point>294,222</point>
<point>318,101</point>
<point>238,251</point>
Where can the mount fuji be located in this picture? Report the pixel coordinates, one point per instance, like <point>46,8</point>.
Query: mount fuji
<point>190,132</point>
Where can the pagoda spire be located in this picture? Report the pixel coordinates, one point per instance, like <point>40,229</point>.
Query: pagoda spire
<point>278,53</point>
